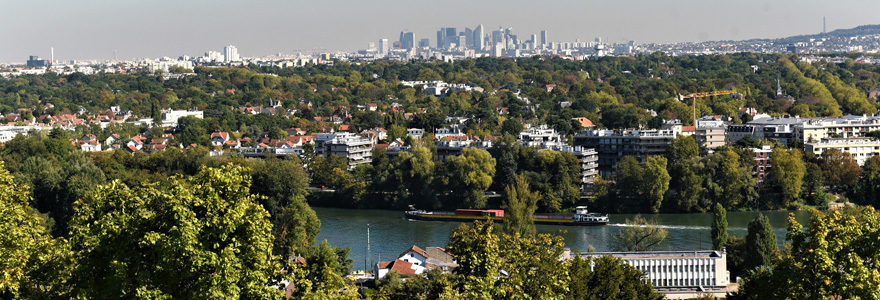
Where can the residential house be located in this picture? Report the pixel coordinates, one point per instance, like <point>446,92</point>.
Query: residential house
<point>219,138</point>
<point>416,261</point>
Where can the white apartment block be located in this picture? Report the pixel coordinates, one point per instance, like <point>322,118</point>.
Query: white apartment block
<point>861,149</point>
<point>170,117</point>
<point>355,148</point>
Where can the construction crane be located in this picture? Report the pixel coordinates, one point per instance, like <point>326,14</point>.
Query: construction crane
<point>694,96</point>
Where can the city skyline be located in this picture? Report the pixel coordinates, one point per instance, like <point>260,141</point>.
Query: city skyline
<point>131,30</point>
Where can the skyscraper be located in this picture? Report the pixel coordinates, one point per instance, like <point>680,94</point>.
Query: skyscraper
<point>407,40</point>
<point>544,39</point>
<point>440,34</point>
<point>230,54</point>
<point>479,37</point>
<point>450,32</point>
<point>383,46</point>
<point>424,43</point>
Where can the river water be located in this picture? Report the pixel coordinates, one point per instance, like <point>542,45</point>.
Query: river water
<point>391,233</point>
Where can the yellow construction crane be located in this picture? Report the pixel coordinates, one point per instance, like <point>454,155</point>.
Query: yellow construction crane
<point>694,96</point>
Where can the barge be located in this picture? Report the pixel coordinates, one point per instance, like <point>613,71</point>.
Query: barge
<point>581,217</point>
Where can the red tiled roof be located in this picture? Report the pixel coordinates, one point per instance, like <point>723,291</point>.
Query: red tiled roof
<point>403,268</point>
<point>223,134</point>
<point>384,264</point>
<point>688,128</point>
<point>584,122</point>
<point>416,249</point>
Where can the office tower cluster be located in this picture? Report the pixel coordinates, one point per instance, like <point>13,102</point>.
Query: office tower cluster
<point>452,42</point>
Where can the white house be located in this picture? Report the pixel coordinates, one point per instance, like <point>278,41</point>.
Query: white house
<point>90,146</point>
<point>416,261</point>
<point>219,138</point>
<point>112,139</point>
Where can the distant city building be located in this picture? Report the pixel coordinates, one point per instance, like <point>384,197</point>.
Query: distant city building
<point>423,43</point>
<point>35,62</point>
<point>230,54</point>
<point>384,47</point>
<point>407,40</point>
<point>479,38</point>
<point>544,39</point>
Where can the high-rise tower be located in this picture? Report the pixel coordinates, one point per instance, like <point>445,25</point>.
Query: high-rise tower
<point>544,39</point>
<point>230,54</point>
<point>479,37</point>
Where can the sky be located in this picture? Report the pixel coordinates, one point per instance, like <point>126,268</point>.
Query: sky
<point>96,29</point>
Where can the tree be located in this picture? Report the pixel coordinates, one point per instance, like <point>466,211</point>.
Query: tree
<point>33,264</point>
<point>630,178</point>
<point>322,275</point>
<point>840,168</point>
<point>640,234</point>
<point>814,186</point>
<point>476,250</point>
<point>468,176</point>
<point>657,182</point>
<point>520,204</point>
<point>832,257</point>
<point>787,174</point>
<point>294,227</point>
<point>867,191</point>
<point>607,277</point>
<point>415,172</point>
<point>686,186</point>
<point>760,242</point>
<point>201,236</point>
<point>642,187</point>
<point>719,226</point>
<point>511,127</point>
<point>728,181</point>
<point>532,268</point>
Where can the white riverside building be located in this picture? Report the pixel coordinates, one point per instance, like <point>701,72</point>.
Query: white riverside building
<point>680,274</point>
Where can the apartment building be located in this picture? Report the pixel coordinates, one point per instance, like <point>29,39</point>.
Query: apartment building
<point>612,145</point>
<point>861,149</point>
<point>355,148</point>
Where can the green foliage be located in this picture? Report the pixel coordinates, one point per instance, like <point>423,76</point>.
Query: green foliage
<point>520,204</point>
<point>33,264</point>
<point>719,226</point>
<point>200,236</point>
<point>640,234</point>
<point>477,251</point>
<point>642,187</point>
<point>607,277</point>
<point>867,191</point>
<point>832,257</point>
<point>760,243</point>
<point>840,169</point>
<point>786,177</point>
<point>468,176</point>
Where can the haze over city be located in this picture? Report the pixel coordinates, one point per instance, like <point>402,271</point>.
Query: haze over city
<point>170,28</point>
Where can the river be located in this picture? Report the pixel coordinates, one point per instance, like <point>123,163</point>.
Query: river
<point>391,234</point>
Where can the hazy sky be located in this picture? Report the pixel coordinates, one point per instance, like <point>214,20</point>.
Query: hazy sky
<point>140,28</point>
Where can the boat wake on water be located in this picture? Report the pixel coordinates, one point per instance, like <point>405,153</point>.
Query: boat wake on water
<point>682,227</point>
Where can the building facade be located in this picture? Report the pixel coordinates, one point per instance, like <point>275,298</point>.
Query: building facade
<point>861,149</point>
<point>355,148</point>
<point>613,145</point>
<point>680,274</point>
